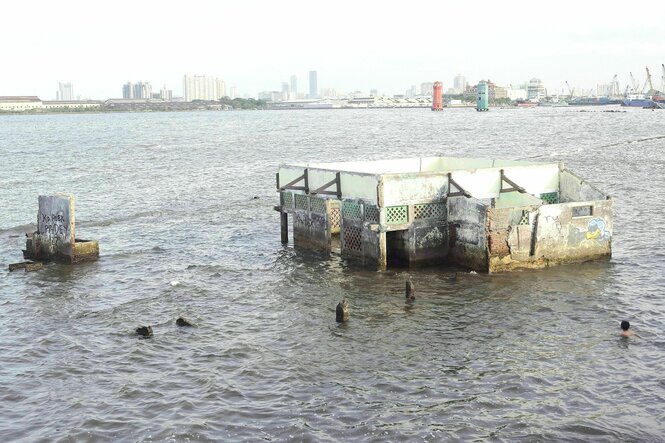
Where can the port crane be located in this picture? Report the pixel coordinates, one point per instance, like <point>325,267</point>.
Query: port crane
<point>634,83</point>
<point>648,81</point>
<point>615,90</point>
<point>571,91</point>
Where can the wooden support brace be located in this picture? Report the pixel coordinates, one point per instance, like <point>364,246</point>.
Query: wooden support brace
<point>335,181</point>
<point>515,186</point>
<point>460,192</point>
<point>290,184</point>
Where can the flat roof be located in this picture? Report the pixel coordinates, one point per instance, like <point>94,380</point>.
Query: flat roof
<point>417,165</point>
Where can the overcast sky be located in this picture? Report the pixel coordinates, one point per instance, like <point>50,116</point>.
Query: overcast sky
<point>354,45</point>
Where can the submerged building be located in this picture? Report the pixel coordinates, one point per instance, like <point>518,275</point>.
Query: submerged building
<point>483,214</point>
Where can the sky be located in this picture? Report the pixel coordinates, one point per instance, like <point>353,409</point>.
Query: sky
<point>353,45</point>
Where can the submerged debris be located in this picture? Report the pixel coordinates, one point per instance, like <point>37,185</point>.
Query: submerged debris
<point>183,322</point>
<point>410,291</point>
<point>144,331</point>
<point>342,311</point>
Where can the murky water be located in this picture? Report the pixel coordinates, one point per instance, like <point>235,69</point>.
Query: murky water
<point>531,356</point>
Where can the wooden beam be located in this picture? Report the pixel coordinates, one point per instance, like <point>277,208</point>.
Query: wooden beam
<point>322,189</point>
<point>515,186</point>
<point>460,193</point>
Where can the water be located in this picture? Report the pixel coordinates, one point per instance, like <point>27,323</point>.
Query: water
<point>532,356</point>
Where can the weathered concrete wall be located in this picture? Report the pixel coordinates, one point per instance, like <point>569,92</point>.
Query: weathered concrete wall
<point>413,188</point>
<point>429,242</point>
<point>310,229</point>
<point>467,221</point>
<point>56,227</point>
<point>574,189</point>
<point>562,237</point>
<point>553,235</point>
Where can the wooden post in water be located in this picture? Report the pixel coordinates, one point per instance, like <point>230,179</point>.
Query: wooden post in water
<point>285,226</point>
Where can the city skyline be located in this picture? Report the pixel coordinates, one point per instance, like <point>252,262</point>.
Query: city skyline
<point>581,43</point>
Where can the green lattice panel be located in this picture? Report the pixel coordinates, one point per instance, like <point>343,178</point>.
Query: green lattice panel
<point>301,202</point>
<point>318,205</point>
<point>351,210</point>
<point>397,215</point>
<point>287,199</point>
<point>371,214</point>
<point>550,197</point>
<point>429,210</point>
<point>524,220</point>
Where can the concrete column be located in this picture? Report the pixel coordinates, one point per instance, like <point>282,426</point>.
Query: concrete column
<point>383,252</point>
<point>285,226</point>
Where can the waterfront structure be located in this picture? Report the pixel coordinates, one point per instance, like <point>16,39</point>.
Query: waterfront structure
<point>487,215</point>
<point>482,99</point>
<point>20,103</point>
<point>437,96</point>
<point>203,87</point>
<point>313,85</point>
<point>294,87</point>
<point>535,90</point>
<point>65,91</point>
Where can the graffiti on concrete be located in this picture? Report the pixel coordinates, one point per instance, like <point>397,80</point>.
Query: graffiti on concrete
<point>595,234</point>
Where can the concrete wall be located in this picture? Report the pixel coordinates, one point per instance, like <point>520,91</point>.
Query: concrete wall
<point>56,221</point>
<point>552,235</point>
<point>311,228</point>
<point>412,188</point>
<point>467,220</point>
<point>574,189</point>
<point>562,237</point>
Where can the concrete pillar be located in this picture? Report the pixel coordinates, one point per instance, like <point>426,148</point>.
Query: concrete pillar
<point>383,252</point>
<point>285,227</point>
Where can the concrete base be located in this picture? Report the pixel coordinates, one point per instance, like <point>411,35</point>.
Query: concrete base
<point>82,251</point>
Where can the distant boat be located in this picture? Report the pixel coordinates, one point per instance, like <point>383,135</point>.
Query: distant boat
<point>525,104</point>
<point>638,101</point>
<point>593,101</point>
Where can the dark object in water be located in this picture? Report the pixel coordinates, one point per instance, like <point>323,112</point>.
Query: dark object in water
<point>183,322</point>
<point>144,331</point>
<point>342,312</point>
<point>410,291</point>
<point>29,266</point>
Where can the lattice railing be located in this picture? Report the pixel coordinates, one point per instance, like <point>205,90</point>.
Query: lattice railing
<point>429,210</point>
<point>352,238</point>
<point>287,199</point>
<point>317,205</point>
<point>371,214</point>
<point>351,210</point>
<point>550,197</point>
<point>397,215</point>
<point>524,220</point>
<point>302,202</point>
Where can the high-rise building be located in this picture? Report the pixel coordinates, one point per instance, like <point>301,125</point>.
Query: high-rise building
<point>426,88</point>
<point>128,90</point>
<point>65,91</point>
<point>166,94</point>
<point>459,84</point>
<point>203,87</point>
<point>313,86</point>
<point>142,90</point>
<point>233,92</point>
<point>294,86</point>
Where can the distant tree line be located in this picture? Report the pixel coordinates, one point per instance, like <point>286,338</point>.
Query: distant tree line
<point>243,103</point>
